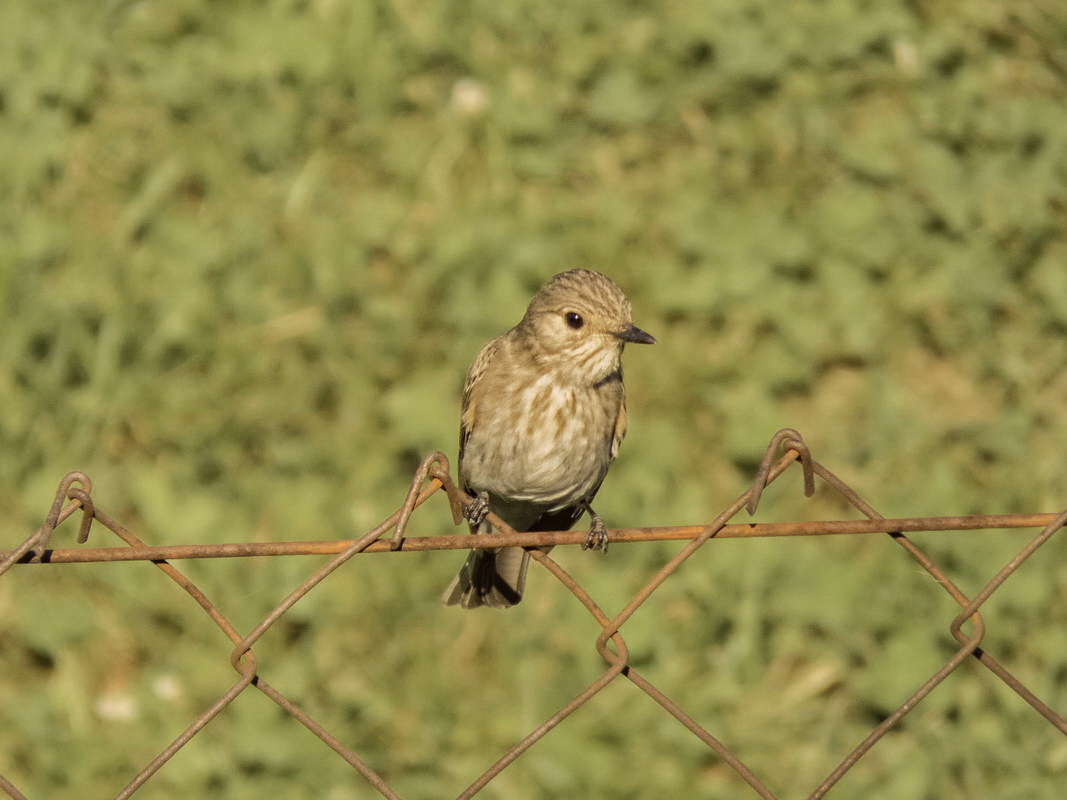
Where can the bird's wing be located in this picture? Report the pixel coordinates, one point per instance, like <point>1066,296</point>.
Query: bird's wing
<point>620,428</point>
<point>469,409</point>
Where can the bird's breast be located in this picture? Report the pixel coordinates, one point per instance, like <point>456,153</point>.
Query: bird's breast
<point>541,441</point>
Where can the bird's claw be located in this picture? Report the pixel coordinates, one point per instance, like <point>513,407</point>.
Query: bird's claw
<point>477,510</point>
<point>598,535</point>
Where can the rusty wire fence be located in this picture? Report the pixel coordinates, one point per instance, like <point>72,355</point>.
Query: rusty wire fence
<point>433,477</point>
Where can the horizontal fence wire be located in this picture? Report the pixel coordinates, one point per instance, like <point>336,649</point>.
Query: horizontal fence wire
<point>433,476</point>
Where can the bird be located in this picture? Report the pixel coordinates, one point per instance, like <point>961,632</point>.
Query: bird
<point>542,417</point>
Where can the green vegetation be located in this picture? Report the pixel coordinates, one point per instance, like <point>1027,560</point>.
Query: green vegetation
<point>247,251</point>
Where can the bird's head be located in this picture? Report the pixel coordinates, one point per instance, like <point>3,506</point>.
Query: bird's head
<point>578,324</point>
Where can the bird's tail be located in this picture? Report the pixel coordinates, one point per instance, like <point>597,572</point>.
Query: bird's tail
<point>493,578</point>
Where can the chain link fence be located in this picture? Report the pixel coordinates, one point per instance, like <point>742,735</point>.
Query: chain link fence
<point>433,477</point>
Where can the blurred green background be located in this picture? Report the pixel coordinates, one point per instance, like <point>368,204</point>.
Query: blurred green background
<point>248,249</point>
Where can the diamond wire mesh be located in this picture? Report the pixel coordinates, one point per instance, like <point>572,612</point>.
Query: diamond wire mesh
<point>433,476</point>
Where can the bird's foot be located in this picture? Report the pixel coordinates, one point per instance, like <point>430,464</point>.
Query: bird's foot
<point>598,534</point>
<point>478,509</point>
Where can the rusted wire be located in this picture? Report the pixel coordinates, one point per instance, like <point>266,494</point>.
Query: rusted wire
<point>11,789</point>
<point>745,530</point>
<point>787,440</point>
<point>37,542</point>
<point>432,477</point>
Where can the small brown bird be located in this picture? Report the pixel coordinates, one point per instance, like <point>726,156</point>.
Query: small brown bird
<point>544,411</point>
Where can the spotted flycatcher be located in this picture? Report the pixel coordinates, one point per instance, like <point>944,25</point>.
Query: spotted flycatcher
<point>543,414</point>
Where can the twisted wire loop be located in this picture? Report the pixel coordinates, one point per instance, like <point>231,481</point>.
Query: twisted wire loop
<point>37,542</point>
<point>790,443</point>
<point>433,475</point>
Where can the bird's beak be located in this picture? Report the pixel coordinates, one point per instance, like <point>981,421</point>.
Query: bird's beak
<point>631,333</point>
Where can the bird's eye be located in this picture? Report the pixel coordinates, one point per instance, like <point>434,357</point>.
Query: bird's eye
<point>574,320</point>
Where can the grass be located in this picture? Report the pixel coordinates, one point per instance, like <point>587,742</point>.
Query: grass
<point>247,252</point>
